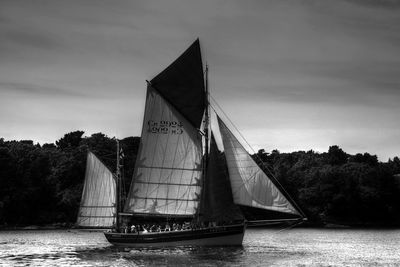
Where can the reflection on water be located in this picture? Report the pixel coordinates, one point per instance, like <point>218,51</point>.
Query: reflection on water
<point>180,256</point>
<point>261,247</point>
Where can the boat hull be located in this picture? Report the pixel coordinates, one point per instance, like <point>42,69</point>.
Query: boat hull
<point>216,236</point>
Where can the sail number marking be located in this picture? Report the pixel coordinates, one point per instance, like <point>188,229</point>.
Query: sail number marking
<point>165,127</point>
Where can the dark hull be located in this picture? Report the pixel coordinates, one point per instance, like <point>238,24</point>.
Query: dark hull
<point>231,235</point>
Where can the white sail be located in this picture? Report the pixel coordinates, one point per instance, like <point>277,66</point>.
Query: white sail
<point>250,185</point>
<point>97,208</point>
<point>168,167</point>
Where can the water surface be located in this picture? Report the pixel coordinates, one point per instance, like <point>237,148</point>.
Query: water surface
<point>261,247</point>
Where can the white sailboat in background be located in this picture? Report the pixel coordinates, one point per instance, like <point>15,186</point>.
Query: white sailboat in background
<point>180,176</point>
<point>97,208</point>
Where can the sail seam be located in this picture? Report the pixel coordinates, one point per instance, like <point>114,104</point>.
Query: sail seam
<point>139,182</point>
<point>168,168</point>
<point>102,207</point>
<point>95,216</point>
<point>174,199</point>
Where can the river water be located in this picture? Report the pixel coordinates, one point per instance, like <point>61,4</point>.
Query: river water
<point>261,247</point>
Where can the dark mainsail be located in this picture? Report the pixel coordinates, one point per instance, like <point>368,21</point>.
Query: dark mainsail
<point>217,203</point>
<point>182,84</point>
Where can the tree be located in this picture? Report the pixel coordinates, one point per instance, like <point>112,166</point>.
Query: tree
<point>70,140</point>
<point>364,158</point>
<point>336,156</point>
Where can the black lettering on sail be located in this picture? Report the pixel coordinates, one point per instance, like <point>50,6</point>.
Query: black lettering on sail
<point>165,127</point>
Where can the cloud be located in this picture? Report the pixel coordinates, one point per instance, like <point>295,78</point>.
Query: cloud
<point>377,3</point>
<point>37,90</point>
<point>27,38</point>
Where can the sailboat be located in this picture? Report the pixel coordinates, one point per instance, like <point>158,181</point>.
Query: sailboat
<point>181,179</point>
<point>97,208</point>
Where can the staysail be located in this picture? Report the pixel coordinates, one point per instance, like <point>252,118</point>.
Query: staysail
<point>250,185</point>
<point>97,208</point>
<point>168,166</point>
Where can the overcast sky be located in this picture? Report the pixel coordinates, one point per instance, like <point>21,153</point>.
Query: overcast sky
<point>292,75</point>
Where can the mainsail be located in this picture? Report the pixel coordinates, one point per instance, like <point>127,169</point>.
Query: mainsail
<point>97,208</point>
<point>166,179</point>
<point>250,185</point>
<point>168,167</point>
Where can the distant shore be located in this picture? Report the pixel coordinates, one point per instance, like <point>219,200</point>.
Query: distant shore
<point>55,226</point>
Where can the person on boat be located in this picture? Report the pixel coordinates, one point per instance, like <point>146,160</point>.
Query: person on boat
<point>194,225</point>
<point>186,226</point>
<point>167,227</point>
<point>212,224</point>
<point>133,228</point>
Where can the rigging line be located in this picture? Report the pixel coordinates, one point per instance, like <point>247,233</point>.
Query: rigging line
<point>266,166</point>
<point>290,226</point>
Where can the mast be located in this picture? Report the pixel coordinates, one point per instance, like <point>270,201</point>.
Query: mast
<point>206,118</point>
<point>206,139</point>
<point>118,186</point>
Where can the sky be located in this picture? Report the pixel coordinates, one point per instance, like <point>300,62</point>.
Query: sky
<point>291,75</point>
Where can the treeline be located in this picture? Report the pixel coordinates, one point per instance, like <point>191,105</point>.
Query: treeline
<point>338,188</point>
<point>42,184</point>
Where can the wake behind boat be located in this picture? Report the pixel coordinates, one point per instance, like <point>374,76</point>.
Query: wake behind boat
<point>181,178</point>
